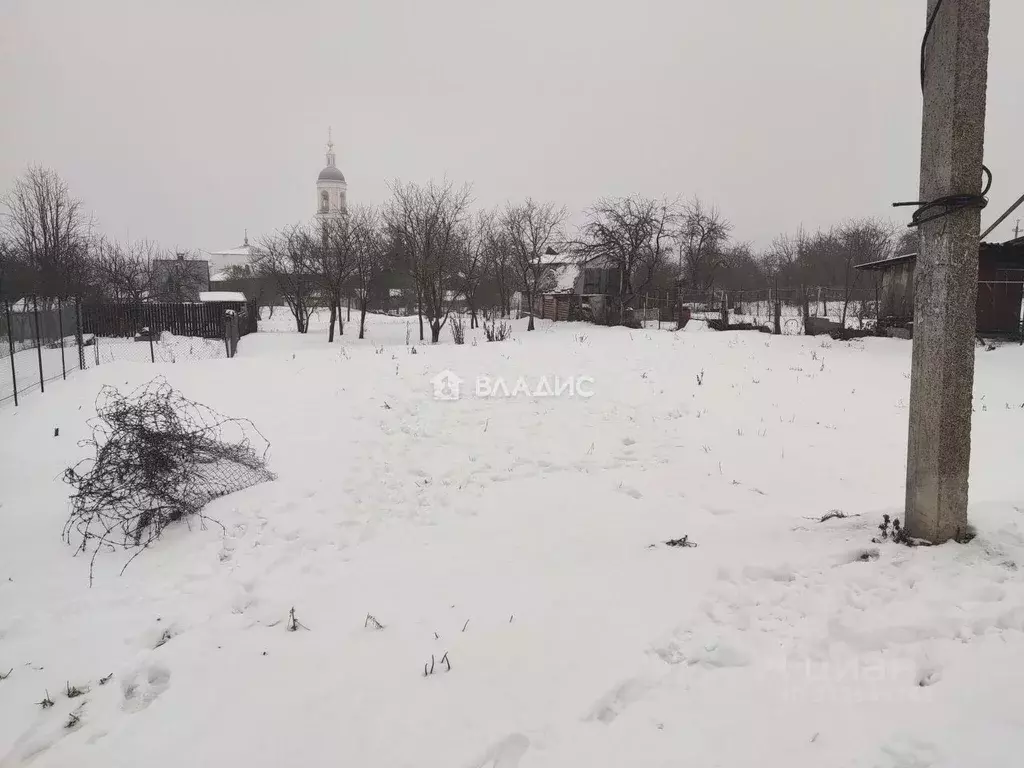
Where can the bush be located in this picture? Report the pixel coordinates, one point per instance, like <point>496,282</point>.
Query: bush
<point>458,330</point>
<point>160,458</point>
<point>495,331</point>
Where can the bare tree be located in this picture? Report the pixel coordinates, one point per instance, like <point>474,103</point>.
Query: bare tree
<point>288,258</point>
<point>12,269</point>
<point>238,271</point>
<point>742,270</point>
<point>474,238</point>
<point>124,270</point>
<point>532,229</point>
<point>634,235</point>
<point>178,276</point>
<point>426,220</point>
<point>789,256</point>
<point>821,263</point>
<point>333,261</point>
<point>907,242</point>
<point>499,264</point>
<point>704,234</point>
<point>862,241</point>
<point>49,231</point>
<point>368,249</point>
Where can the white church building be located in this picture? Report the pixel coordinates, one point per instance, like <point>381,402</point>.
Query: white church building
<point>331,200</point>
<point>330,186</point>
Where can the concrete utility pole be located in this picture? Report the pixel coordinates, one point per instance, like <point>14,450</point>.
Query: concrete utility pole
<point>946,274</point>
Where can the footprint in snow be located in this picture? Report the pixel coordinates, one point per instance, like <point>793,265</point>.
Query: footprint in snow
<point>860,555</point>
<point>144,687</point>
<point>928,674</point>
<point>615,702</point>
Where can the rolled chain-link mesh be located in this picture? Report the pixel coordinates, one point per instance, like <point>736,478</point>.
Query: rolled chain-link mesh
<point>160,458</point>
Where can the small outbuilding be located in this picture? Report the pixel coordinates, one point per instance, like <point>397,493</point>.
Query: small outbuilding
<point>576,289</point>
<point>246,310</point>
<point>1000,289</point>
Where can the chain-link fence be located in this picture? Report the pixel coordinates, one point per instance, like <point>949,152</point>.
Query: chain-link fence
<point>783,311</point>
<point>44,339</point>
<point>40,341</point>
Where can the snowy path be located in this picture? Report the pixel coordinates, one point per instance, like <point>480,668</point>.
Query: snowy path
<point>514,535</point>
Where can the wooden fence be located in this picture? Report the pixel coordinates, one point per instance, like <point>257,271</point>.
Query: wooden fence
<point>205,320</point>
<point>559,306</point>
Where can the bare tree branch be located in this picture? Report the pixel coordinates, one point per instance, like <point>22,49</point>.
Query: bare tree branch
<point>531,229</point>
<point>633,235</point>
<point>704,235</point>
<point>426,221</point>
<point>48,232</point>
<point>288,257</point>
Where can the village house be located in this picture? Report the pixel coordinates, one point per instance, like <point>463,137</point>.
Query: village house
<point>179,279</point>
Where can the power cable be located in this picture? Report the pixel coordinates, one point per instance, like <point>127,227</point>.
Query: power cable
<point>929,210</point>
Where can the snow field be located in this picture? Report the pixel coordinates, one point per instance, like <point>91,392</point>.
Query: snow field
<point>514,534</point>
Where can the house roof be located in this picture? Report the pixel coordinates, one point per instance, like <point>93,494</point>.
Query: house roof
<point>221,296</point>
<point>565,278</point>
<point>551,258</point>
<point>886,263</point>
<point>242,250</point>
<point>1011,250</point>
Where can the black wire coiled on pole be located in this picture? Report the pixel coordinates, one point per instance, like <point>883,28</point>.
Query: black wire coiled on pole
<point>945,206</point>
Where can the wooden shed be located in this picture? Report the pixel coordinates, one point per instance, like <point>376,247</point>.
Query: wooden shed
<point>1000,289</point>
<point>576,290</point>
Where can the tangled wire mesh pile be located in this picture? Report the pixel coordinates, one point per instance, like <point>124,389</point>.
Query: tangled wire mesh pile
<point>160,458</point>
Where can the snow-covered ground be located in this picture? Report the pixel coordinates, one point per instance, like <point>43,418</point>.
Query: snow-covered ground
<point>58,362</point>
<point>521,536</point>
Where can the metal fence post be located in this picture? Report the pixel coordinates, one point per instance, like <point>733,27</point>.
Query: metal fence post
<point>39,349</point>
<point>60,330</point>
<point>230,333</point>
<point>227,336</point>
<point>152,351</point>
<point>78,333</point>
<point>10,345</point>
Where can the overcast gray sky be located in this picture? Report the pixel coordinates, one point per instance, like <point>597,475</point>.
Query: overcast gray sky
<point>186,121</point>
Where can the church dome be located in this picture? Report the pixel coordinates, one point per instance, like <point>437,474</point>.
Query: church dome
<point>331,173</point>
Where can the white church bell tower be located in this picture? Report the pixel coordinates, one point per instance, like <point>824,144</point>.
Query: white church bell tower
<point>330,186</point>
